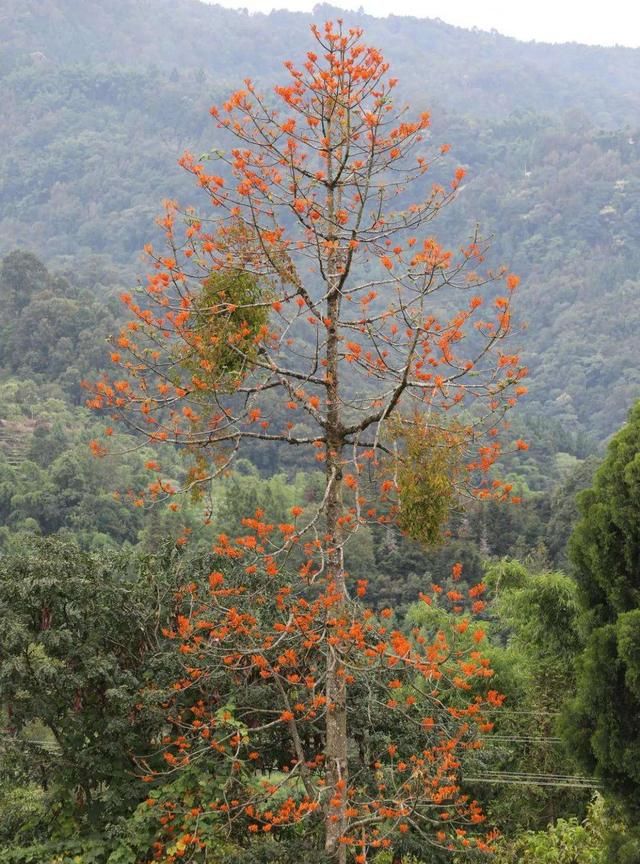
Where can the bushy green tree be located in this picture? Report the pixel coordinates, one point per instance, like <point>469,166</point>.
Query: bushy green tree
<point>567,841</point>
<point>535,617</point>
<point>77,649</point>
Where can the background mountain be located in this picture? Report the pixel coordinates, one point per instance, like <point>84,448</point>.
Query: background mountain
<point>100,99</point>
<point>468,70</point>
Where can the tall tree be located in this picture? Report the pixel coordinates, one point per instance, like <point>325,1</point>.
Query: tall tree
<point>537,616</point>
<point>605,551</point>
<point>302,310</point>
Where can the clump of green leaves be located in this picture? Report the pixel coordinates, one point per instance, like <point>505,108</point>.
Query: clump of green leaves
<point>227,323</point>
<point>427,468</point>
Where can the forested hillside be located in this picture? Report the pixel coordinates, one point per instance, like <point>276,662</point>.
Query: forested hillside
<point>101,100</point>
<point>113,668</point>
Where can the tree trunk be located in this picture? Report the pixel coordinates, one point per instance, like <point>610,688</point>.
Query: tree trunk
<point>336,691</point>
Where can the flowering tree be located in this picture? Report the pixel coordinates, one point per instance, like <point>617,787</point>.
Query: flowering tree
<point>308,306</point>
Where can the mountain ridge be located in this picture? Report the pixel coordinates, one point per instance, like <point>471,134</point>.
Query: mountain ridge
<point>186,34</point>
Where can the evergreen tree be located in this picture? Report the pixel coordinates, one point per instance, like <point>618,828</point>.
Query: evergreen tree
<point>602,724</point>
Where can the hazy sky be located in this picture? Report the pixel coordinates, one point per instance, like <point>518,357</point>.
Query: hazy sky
<point>595,22</point>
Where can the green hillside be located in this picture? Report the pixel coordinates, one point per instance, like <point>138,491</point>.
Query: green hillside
<point>101,99</point>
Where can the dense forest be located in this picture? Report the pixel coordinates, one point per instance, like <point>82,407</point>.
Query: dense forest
<point>127,736</point>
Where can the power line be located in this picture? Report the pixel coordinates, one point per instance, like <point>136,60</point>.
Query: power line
<point>529,739</point>
<point>523,778</point>
<point>556,784</point>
